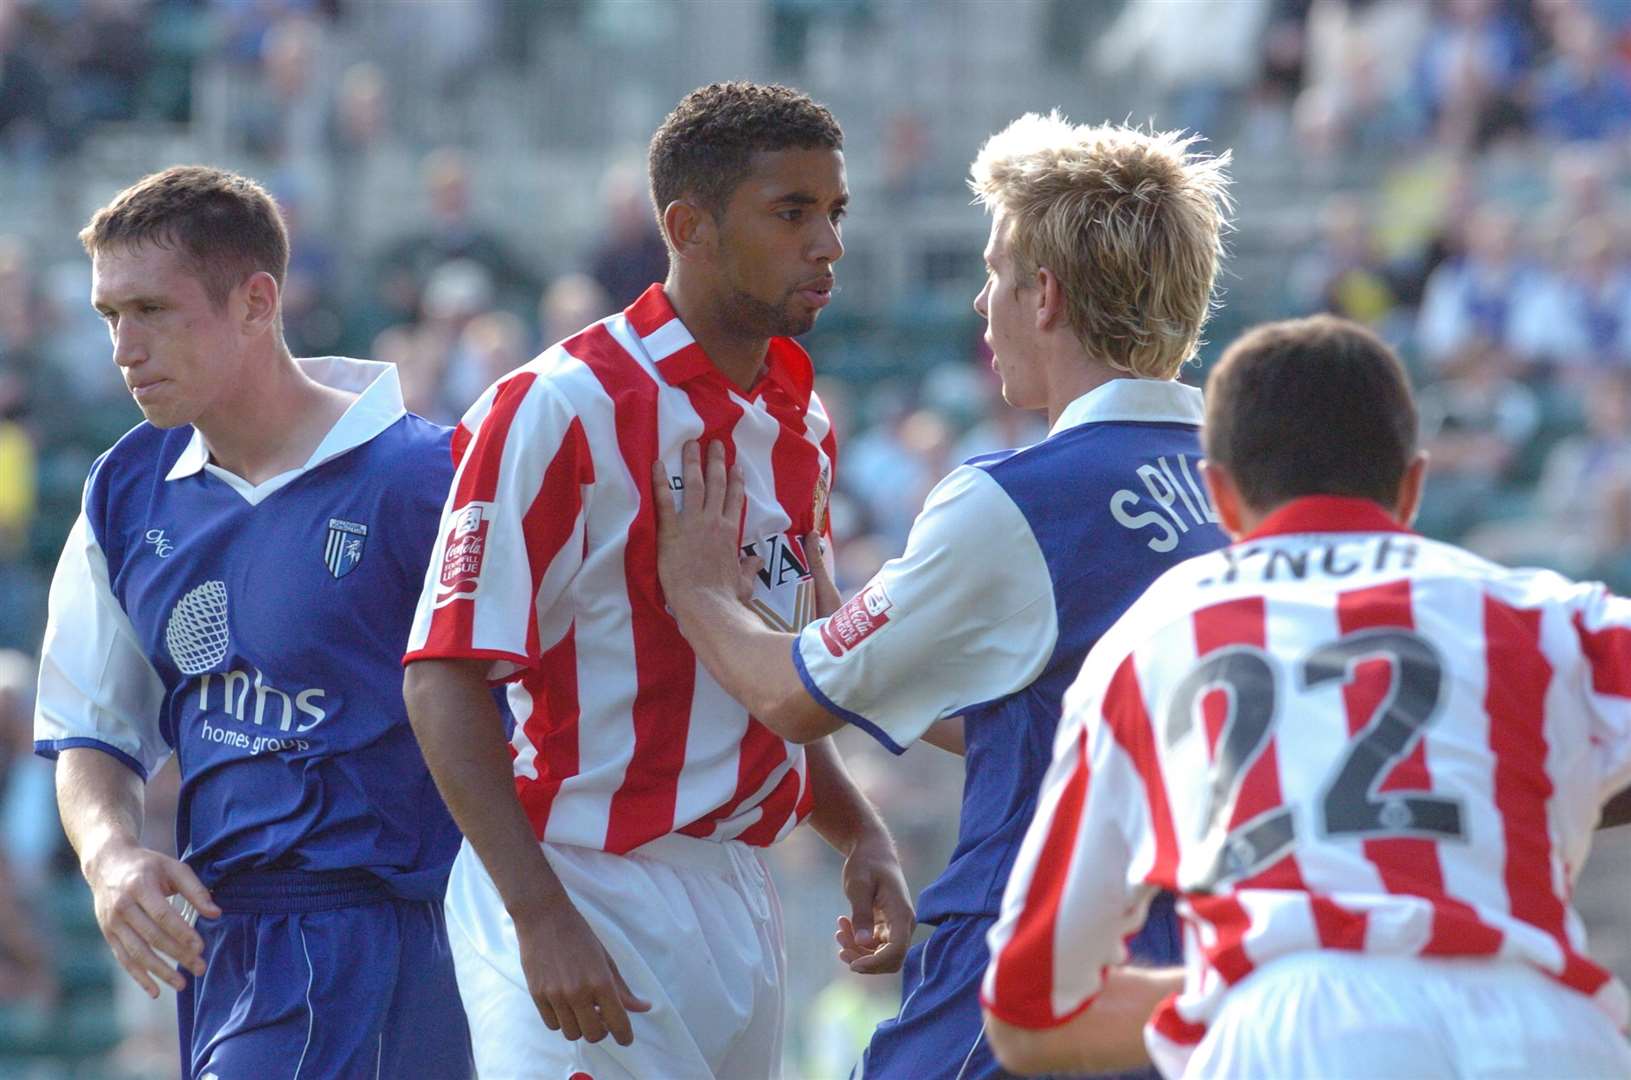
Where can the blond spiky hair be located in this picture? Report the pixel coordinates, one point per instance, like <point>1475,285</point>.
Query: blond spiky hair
<point>1130,222</point>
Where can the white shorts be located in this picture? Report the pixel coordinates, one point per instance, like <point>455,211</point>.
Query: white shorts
<point>1346,1015</point>
<point>694,927</point>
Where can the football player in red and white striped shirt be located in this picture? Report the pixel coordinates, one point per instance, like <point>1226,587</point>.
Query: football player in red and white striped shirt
<point>1369,763</point>
<point>610,862</point>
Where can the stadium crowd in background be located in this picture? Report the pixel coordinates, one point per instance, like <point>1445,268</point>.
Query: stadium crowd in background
<point>1455,175</point>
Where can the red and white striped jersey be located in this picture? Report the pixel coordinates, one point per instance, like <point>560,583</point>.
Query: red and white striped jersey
<point>1334,734</point>
<point>547,566</point>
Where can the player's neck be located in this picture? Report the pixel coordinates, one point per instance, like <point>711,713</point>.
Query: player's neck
<point>740,358</point>
<point>273,421</point>
<point>1071,374</point>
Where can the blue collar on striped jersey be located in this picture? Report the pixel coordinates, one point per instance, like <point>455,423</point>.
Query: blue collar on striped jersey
<point>378,405</point>
<point>1326,514</point>
<point>787,364</point>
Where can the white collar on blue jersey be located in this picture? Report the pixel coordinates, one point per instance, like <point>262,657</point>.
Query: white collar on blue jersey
<point>1147,401</point>
<point>378,406</point>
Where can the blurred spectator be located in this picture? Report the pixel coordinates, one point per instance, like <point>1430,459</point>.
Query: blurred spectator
<point>451,232</point>
<point>630,254</point>
<point>1345,273</point>
<point>1470,300</point>
<point>285,115</point>
<point>1581,521</point>
<point>492,345</point>
<point>313,323</point>
<point>416,368</point>
<point>1474,425</point>
<point>571,302</point>
<point>1579,315</point>
<point>26,966</point>
<point>1470,63</point>
<point>1584,94</point>
<point>362,111</point>
<point>106,57</point>
<point>26,97</point>
<point>1197,61</point>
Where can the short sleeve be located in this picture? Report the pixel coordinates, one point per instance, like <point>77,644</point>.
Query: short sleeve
<point>1603,623</point>
<point>1070,900</point>
<point>966,615</point>
<point>511,536</point>
<point>97,687</point>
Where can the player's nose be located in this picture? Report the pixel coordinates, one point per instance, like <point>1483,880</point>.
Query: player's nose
<point>829,244</point>
<point>128,347</point>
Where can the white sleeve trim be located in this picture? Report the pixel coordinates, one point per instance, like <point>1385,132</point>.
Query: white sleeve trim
<point>966,615</point>
<point>97,686</point>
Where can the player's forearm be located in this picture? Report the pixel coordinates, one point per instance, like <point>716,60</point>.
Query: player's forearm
<point>461,735</point>
<point>100,801</point>
<point>840,812</point>
<point>1107,1036</point>
<point>753,664</point>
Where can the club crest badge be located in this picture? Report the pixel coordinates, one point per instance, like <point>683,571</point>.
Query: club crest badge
<point>342,549</point>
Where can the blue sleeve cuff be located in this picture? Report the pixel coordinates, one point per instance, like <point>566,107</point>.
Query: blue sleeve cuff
<point>838,710</point>
<point>50,748</point>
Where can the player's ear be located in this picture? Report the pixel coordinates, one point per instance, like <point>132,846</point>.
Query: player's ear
<point>258,295</point>
<point>690,229</point>
<point>1410,488</point>
<point>1233,516</point>
<point>1050,300</point>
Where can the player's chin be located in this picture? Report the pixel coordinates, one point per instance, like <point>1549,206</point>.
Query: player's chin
<point>798,319</point>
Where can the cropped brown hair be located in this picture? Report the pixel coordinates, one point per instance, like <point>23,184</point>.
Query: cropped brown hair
<point>1130,222</point>
<point>706,145</point>
<point>224,225</point>
<point>1317,406</point>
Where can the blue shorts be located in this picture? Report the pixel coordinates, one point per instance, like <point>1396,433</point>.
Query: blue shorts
<point>939,1033</point>
<point>323,977</point>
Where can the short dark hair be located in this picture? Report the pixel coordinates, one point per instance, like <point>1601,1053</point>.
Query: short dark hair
<point>705,147</point>
<point>1317,406</point>
<point>224,225</point>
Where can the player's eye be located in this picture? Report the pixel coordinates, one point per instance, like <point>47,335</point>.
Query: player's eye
<point>149,309</point>
<point>791,214</point>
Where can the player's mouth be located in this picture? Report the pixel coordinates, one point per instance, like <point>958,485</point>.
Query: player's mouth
<point>146,389</point>
<point>817,293</point>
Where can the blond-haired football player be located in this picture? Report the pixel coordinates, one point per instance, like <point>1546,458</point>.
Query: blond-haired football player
<point>1104,245</point>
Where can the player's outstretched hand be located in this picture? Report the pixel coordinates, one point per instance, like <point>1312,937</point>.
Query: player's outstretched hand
<point>873,939</point>
<point>697,545</point>
<point>573,981</point>
<point>131,887</point>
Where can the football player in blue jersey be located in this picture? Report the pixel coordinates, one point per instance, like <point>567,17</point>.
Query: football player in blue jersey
<point>1104,245</point>
<point>237,591</point>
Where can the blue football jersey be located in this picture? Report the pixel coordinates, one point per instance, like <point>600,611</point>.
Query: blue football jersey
<point>271,623</point>
<point>1019,561</point>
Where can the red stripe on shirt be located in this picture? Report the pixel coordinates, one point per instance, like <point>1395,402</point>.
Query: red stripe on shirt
<point>1608,652</point>
<point>1515,699</point>
<point>1129,721</point>
<point>453,626</point>
<point>1408,866</point>
<point>774,811</point>
<point>552,728</point>
<point>642,808</point>
<point>1243,622</point>
<point>1025,965</point>
<point>761,753</point>
<point>550,520</point>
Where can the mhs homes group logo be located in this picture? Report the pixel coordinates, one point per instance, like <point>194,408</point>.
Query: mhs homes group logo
<point>198,636</point>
